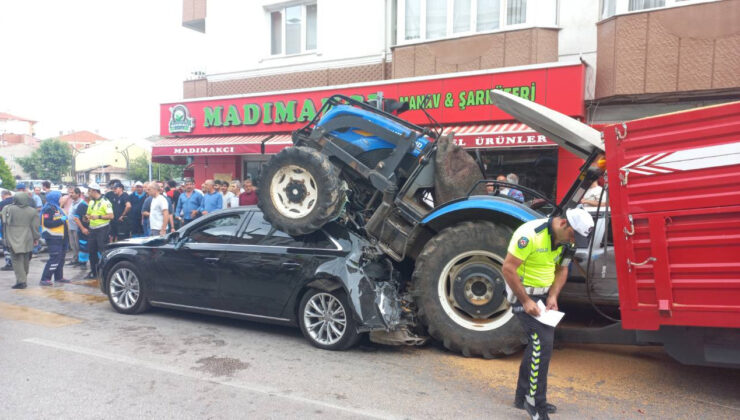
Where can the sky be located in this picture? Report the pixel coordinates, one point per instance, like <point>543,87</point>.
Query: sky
<point>97,65</point>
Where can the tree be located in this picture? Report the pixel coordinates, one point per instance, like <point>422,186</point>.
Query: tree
<point>50,161</point>
<point>5,176</point>
<point>138,170</point>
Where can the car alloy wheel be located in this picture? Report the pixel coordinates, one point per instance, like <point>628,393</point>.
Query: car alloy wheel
<point>325,319</point>
<point>124,287</point>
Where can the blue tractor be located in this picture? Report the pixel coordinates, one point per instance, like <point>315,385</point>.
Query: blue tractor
<point>420,199</point>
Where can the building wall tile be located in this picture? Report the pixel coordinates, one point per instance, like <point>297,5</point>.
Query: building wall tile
<point>662,58</point>
<point>695,64</point>
<point>518,48</point>
<point>605,59</point>
<point>631,47</point>
<point>726,73</point>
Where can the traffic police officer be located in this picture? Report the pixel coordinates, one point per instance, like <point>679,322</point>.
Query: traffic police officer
<point>536,268</point>
<point>99,213</point>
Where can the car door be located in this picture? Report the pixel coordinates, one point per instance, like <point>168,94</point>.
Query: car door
<point>189,275</point>
<point>266,266</point>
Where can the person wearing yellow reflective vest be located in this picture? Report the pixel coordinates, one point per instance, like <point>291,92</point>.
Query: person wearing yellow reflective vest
<point>536,268</point>
<point>99,213</point>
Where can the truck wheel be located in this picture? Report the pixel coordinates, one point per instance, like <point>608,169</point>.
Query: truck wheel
<point>299,191</point>
<point>460,292</point>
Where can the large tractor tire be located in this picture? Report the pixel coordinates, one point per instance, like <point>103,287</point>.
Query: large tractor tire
<point>459,289</point>
<point>299,191</point>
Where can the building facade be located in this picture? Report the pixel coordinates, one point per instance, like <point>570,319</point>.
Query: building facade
<point>636,58</point>
<point>17,130</point>
<point>108,160</point>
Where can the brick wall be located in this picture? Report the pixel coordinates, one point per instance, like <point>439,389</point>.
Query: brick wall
<point>286,81</point>
<point>680,49</point>
<point>478,52</point>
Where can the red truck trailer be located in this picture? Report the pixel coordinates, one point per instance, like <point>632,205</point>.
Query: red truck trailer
<point>673,185</point>
<point>674,192</point>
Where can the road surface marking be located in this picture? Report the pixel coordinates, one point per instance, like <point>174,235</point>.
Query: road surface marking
<point>169,369</point>
<point>35,316</point>
<point>63,295</point>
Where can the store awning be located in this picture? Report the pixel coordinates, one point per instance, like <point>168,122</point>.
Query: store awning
<point>220,145</point>
<point>497,136</point>
<point>278,142</point>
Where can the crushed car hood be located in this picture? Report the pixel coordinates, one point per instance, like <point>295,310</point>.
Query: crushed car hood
<point>573,135</point>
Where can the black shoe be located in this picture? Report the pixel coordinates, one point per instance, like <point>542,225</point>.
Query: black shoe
<point>519,403</point>
<point>19,286</point>
<point>535,414</point>
<point>91,275</point>
<point>7,268</point>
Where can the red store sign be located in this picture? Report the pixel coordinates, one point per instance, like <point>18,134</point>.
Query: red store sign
<point>454,100</point>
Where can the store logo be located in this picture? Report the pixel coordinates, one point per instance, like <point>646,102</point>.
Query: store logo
<point>180,120</point>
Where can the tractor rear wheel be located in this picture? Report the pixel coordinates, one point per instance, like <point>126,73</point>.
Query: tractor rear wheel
<point>459,289</point>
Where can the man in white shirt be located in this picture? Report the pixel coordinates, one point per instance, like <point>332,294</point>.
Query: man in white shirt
<point>158,212</point>
<point>227,194</point>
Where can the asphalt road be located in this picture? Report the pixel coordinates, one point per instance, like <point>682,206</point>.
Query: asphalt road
<point>64,353</point>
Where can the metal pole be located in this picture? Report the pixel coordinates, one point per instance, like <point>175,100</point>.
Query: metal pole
<point>150,170</point>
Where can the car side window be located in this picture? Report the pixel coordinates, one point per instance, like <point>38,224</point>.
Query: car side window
<point>261,232</point>
<point>217,231</point>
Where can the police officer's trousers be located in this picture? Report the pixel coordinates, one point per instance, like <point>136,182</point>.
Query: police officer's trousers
<point>55,265</point>
<point>532,383</point>
<point>96,242</point>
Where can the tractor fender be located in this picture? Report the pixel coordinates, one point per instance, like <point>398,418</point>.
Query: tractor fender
<point>480,207</point>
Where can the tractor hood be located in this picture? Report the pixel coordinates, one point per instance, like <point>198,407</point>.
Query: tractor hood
<point>573,135</point>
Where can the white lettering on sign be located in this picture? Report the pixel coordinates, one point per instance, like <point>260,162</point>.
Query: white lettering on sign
<point>203,150</point>
<point>494,141</point>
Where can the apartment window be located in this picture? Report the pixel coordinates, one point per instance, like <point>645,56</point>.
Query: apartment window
<point>435,19</point>
<point>488,15</point>
<point>293,29</point>
<point>610,8</point>
<point>461,16</point>
<point>645,4</point>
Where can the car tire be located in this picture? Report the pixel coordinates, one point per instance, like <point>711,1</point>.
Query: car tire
<point>299,191</point>
<point>337,333</point>
<point>126,289</point>
<point>458,273</point>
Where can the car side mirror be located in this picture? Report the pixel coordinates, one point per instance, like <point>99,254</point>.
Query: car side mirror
<point>181,242</point>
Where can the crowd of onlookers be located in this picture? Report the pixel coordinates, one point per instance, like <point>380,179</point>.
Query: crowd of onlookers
<point>84,223</point>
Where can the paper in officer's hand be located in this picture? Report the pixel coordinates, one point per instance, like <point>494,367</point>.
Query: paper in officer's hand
<point>548,317</point>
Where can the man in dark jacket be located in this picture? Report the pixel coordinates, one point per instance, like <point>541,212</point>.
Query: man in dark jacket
<point>55,233</point>
<point>120,225</point>
<point>137,202</point>
<point>20,233</point>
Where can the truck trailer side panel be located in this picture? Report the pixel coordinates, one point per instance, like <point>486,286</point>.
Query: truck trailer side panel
<point>675,199</point>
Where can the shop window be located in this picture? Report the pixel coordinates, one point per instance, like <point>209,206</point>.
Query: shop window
<point>536,168</point>
<point>610,8</point>
<point>293,29</point>
<point>252,169</point>
<point>435,19</point>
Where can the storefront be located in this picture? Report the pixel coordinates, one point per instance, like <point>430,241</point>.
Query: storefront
<point>231,137</point>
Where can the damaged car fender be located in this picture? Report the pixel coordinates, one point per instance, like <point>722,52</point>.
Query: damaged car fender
<point>367,277</point>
